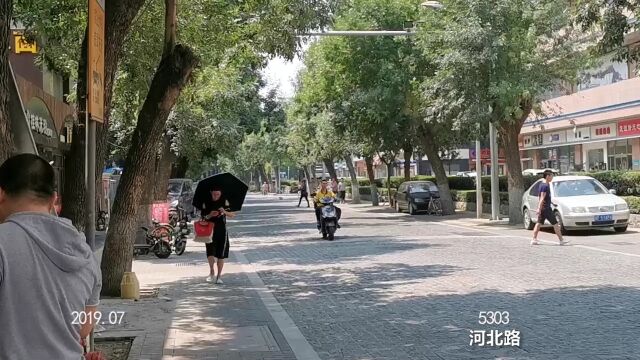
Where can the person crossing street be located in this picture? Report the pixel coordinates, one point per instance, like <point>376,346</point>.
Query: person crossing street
<point>544,210</point>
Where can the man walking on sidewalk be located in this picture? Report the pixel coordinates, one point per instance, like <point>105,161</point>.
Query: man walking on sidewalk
<point>544,210</point>
<point>49,278</point>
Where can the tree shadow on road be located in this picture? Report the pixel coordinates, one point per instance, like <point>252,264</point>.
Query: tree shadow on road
<point>325,252</point>
<point>377,315</point>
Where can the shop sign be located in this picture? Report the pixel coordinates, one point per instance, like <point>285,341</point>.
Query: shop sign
<point>484,153</point>
<point>603,131</point>
<point>39,125</point>
<point>581,133</point>
<point>21,45</point>
<point>629,127</point>
<point>555,137</point>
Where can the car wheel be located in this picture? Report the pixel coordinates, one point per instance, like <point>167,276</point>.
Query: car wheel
<point>563,230</point>
<point>412,210</point>
<point>528,223</point>
<point>620,229</point>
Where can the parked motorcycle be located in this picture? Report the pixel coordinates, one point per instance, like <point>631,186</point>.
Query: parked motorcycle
<point>158,241</point>
<point>328,219</point>
<point>182,231</point>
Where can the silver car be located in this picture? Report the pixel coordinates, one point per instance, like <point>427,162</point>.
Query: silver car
<point>578,202</point>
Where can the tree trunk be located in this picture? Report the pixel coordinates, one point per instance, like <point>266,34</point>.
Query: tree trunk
<point>372,179</point>
<point>355,186</point>
<point>509,140</point>
<point>277,179</point>
<point>390,165</point>
<point>179,170</point>
<point>74,191</point>
<point>330,168</point>
<point>163,170</point>
<point>172,75</point>
<point>119,16</point>
<point>263,175</point>
<point>509,130</point>
<point>408,152</point>
<point>431,149</point>
<point>6,138</point>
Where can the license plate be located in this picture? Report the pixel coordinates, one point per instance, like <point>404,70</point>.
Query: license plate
<point>603,217</point>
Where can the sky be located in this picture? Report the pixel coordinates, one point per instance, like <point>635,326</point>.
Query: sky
<point>282,74</point>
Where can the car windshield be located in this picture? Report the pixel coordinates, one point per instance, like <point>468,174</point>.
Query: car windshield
<point>175,188</point>
<point>579,187</point>
<point>423,187</point>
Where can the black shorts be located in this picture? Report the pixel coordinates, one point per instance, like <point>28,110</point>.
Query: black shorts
<point>219,246</point>
<point>343,195</point>
<point>547,214</point>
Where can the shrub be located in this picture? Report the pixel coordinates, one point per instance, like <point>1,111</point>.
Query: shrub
<point>634,203</point>
<point>624,182</point>
<point>470,196</point>
<point>503,182</point>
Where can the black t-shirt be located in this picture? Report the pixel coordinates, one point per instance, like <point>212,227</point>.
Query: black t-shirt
<point>544,188</point>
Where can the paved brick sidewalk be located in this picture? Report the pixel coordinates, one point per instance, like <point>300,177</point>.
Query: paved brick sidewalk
<point>192,319</point>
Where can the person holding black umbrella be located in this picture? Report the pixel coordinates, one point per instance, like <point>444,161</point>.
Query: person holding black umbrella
<point>218,197</point>
<point>218,249</point>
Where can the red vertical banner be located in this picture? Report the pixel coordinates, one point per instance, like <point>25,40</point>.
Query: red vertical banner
<point>160,212</point>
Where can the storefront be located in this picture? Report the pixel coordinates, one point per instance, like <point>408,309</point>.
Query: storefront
<point>606,146</point>
<point>485,158</point>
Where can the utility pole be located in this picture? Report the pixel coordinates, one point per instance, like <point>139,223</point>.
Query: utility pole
<point>478,180</point>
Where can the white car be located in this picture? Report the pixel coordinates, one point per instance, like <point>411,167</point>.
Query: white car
<point>466,174</point>
<point>578,202</point>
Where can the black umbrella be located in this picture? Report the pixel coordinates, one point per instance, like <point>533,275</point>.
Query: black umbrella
<point>233,190</point>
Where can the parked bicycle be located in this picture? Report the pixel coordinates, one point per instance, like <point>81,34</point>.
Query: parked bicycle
<point>435,206</point>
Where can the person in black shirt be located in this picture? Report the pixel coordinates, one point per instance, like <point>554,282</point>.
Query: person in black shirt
<point>217,250</point>
<point>544,210</point>
<point>304,194</point>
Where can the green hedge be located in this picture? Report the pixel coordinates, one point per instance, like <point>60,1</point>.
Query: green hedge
<point>367,191</point>
<point>624,182</point>
<point>470,196</point>
<point>634,203</point>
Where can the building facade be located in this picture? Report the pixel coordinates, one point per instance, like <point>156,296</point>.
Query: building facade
<point>595,128</point>
<point>42,95</point>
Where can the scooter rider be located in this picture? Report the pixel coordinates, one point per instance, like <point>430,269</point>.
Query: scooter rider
<point>322,193</point>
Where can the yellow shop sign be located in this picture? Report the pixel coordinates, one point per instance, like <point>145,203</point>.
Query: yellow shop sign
<point>22,46</point>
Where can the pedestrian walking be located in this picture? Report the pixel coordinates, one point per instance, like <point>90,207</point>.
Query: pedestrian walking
<point>215,210</point>
<point>342,191</point>
<point>304,194</point>
<point>219,197</point>
<point>544,210</point>
<point>50,281</point>
<point>265,188</point>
